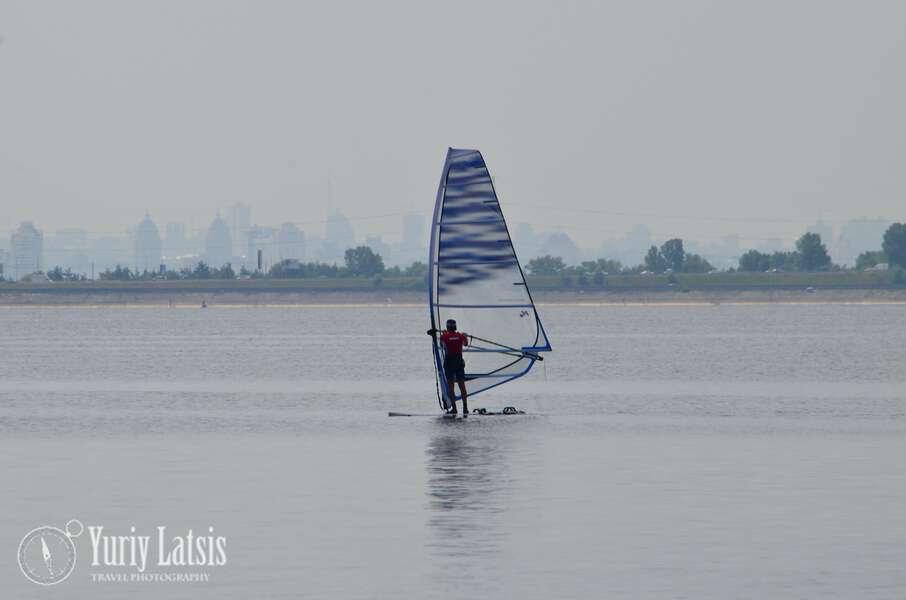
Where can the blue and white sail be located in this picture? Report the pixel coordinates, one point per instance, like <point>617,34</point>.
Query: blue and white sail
<point>475,278</point>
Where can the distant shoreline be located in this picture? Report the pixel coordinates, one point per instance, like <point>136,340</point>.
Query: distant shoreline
<point>228,296</point>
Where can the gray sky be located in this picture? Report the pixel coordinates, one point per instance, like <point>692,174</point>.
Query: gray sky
<point>766,114</point>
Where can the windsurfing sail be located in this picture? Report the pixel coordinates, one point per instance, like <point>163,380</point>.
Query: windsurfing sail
<point>475,278</point>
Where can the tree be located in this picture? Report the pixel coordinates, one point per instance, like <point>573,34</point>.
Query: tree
<point>601,265</point>
<point>546,265</point>
<point>118,274</point>
<point>894,245</point>
<point>362,261</point>
<point>654,261</point>
<point>785,261</point>
<point>286,269</point>
<point>696,263</point>
<point>599,279</point>
<point>201,271</point>
<point>609,266</point>
<point>813,254</point>
<point>224,272</point>
<point>416,269</point>
<point>293,269</point>
<point>754,261</point>
<point>673,253</point>
<point>869,259</point>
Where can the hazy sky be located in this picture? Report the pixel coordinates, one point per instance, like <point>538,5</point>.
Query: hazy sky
<point>754,117</point>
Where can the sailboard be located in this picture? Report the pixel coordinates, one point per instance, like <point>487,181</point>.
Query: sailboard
<point>476,279</point>
<point>478,412</point>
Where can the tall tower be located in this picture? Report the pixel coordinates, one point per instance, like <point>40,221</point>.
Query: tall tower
<point>147,247</point>
<point>218,244</point>
<point>414,245</point>
<point>339,236</point>
<point>26,250</point>
<point>291,242</point>
<point>239,219</point>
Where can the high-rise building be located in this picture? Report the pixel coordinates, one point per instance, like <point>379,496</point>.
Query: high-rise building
<point>218,244</point>
<point>773,245</point>
<point>263,239</point>
<point>4,262</point>
<point>526,241</point>
<point>560,244</point>
<point>26,251</point>
<point>339,237</point>
<point>314,247</point>
<point>377,244</point>
<point>71,238</point>
<point>635,244</point>
<point>824,230</point>
<point>148,250</point>
<point>290,242</point>
<point>108,252</point>
<point>176,242</point>
<point>414,231</point>
<point>68,249</point>
<point>858,236</point>
<point>239,219</point>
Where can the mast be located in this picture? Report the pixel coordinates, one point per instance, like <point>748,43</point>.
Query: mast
<point>443,396</point>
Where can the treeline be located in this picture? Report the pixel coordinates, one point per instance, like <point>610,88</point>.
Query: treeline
<point>590,272</point>
<point>673,258</point>
<point>202,270</point>
<point>361,261</point>
<point>670,257</point>
<point>59,274</point>
<point>892,252</point>
<point>811,255</point>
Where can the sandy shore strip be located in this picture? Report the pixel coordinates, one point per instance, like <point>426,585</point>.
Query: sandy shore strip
<point>408,298</point>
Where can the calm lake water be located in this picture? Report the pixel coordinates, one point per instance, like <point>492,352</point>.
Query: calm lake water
<point>748,451</point>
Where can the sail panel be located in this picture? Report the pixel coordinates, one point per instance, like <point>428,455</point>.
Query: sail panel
<point>475,278</point>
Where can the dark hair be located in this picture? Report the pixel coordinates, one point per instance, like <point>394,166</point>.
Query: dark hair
<point>451,324</point>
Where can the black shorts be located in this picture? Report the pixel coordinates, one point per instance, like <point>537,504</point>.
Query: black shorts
<point>455,368</point>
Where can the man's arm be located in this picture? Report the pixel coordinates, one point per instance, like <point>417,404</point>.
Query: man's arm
<point>432,332</point>
<point>465,338</point>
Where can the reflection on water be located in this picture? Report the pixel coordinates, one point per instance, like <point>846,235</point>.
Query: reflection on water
<point>465,493</point>
<point>481,499</point>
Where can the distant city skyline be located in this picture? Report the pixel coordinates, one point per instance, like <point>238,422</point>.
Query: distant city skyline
<point>392,225</point>
<point>144,248</point>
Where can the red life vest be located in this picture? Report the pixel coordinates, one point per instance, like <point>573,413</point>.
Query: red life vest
<point>453,342</point>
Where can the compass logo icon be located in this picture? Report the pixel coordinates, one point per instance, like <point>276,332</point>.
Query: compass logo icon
<point>47,555</point>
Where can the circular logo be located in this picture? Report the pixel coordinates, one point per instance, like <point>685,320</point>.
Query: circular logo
<point>47,555</point>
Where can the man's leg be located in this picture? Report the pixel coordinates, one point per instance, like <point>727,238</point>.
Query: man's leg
<point>462,392</point>
<point>452,395</point>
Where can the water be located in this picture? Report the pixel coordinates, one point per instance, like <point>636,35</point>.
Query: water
<point>671,452</point>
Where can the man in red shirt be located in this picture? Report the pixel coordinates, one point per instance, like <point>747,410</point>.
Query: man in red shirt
<point>454,365</point>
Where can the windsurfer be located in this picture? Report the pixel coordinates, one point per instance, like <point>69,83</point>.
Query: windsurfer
<point>454,365</point>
